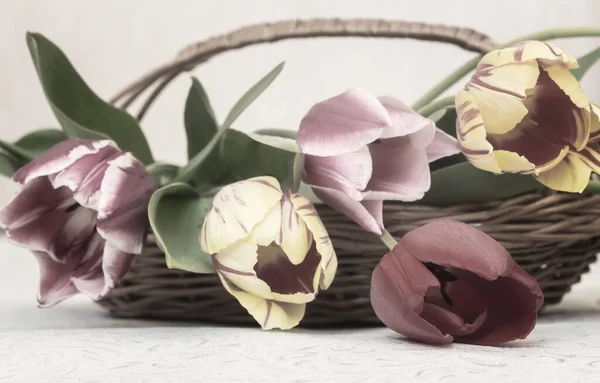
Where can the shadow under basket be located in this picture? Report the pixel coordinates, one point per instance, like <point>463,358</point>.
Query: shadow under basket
<point>554,237</point>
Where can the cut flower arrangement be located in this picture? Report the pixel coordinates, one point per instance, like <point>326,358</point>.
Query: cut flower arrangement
<point>247,207</point>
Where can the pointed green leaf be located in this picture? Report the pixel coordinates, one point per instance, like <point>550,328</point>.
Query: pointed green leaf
<point>176,214</point>
<point>464,183</point>
<point>251,95</point>
<point>9,164</point>
<point>245,157</point>
<point>586,62</point>
<point>80,112</point>
<point>446,120</point>
<point>39,141</point>
<point>199,118</point>
<point>196,168</point>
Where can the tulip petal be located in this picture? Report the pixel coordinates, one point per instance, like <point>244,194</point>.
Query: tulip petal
<point>507,319</point>
<point>37,214</point>
<point>400,171</point>
<point>474,145</point>
<point>464,316</point>
<point>236,210</point>
<point>547,54</point>
<point>455,244</point>
<point>571,175</point>
<point>55,280</point>
<point>398,287</point>
<point>115,264</point>
<point>58,158</point>
<point>471,134</point>
<point>347,172</point>
<point>294,237</point>
<point>88,277</point>
<point>341,124</point>
<point>449,322</point>
<point>499,92</point>
<point>283,277</point>
<point>595,126</point>
<point>349,207</point>
<point>236,263</point>
<point>268,313</point>
<point>404,120</point>
<point>74,175</point>
<point>591,157</point>
<point>122,208</point>
<point>443,145</point>
<point>307,213</point>
<point>375,208</point>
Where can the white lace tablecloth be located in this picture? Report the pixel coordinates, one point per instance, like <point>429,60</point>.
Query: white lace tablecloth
<point>78,342</point>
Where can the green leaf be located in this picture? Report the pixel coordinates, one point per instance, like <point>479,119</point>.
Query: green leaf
<point>464,183</point>
<point>247,157</point>
<point>447,121</point>
<point>199,119</point>
<point>196,169</point>
<point>9,164</point>
<point>586,62</point>
<point>80,112</point>
<point>251,95</point>
<point>176,214</point>
<point>39,141</point>
<point>162,173</point>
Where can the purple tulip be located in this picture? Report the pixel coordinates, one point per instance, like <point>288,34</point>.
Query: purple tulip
<point>447,281</point>
<point>83,212</point>
<point>361,150</point>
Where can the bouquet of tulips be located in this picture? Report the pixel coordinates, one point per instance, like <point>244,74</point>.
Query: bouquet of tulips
<point>243,206</point>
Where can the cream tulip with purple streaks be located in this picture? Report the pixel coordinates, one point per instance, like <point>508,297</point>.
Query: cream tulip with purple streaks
<point>524,112</point>
<point>270,249</point>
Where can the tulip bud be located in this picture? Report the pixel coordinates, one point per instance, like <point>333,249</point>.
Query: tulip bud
<point>447,281</point>
<point>83,212</point>
<point>524,112</point>
<point>361,150</point>
<point>270,249</point>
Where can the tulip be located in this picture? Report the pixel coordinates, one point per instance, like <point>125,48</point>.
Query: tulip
<point>82,211</point>
<point>524,112</point>
<point>269,248</point>
<point>447,281</point>
<point>361,150</point>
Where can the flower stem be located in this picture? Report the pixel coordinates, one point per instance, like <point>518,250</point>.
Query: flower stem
<point>388,239</point>
<point>471,64</point>
<point>592,188</point>
<point>442,103</point>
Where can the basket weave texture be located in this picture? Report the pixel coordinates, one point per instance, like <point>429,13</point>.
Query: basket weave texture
<point>553,236</point>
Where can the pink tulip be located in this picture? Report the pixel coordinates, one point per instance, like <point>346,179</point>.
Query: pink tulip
<point>83,212</point>
<point>361,150</point>
<point>447,281</point>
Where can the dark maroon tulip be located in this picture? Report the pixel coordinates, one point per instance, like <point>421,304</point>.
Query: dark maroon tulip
<point>447,281</point>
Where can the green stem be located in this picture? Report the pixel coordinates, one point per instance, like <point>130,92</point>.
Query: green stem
<point>278,133</point>
<point>442,103</point>
<point>592,188</point>
<point>467,67</point>
<point>388,239</point>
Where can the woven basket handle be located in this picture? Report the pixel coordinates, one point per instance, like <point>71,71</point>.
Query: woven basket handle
<point>200,52</point>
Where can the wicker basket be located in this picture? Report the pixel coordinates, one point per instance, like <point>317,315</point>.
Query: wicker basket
<point>553,236</point>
